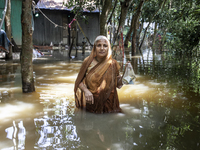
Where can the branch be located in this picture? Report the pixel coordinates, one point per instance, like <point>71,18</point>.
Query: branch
<point>112,11</point>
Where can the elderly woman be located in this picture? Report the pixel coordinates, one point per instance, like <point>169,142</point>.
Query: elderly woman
<point>96,83</point>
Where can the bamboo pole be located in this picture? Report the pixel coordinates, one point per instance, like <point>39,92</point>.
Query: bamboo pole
<point>83,32</point>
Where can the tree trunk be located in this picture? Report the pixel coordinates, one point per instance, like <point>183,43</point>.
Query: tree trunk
<point>103,17</point>
<point>133,43</point>
<point>128,36</point>
<point>8,28</point>
<point>27,48</point>
<point>124,9</point>
<point>138,35</point>
<point>191,3</point>
<point>154,38</point>
<point>136,19</point>
<point>145,32</point>
<point>163,41</point>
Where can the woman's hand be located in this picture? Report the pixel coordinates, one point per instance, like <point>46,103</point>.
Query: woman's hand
<point>120,86</point>
<point>88,95</point>
<point>119,82</point>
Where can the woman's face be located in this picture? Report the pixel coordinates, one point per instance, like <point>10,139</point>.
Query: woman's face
<point>101,48</point>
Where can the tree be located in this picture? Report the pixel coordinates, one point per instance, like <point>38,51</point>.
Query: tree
<point>134,27</point>
<point>124,9</point>
<point>151,20</point>
<point>27,48</point>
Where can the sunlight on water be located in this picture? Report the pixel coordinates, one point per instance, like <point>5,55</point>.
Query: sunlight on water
<point>52,67</point>
<point>120,114</point>
<point>131,91</point>
<point>68,79</point>
<point>16,109</point>
<point>17,131</point>
<point>117,146</point>
<point>48,118</point>
<point>59,120</point>
<point>13,89</point>
<point>40,58</point>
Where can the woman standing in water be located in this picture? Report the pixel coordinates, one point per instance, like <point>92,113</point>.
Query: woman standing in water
<point>98,78</point>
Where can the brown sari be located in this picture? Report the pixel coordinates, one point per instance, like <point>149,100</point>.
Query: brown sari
<point>101,80</point>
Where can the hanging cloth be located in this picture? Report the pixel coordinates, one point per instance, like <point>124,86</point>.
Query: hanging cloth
<point>118,48</point>
<point>128,76</point>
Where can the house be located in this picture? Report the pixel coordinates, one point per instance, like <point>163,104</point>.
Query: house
<point>52,19</point>
<point>45,31</point>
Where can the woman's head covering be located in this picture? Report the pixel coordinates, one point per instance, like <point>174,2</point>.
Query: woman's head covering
<point>101,37</point>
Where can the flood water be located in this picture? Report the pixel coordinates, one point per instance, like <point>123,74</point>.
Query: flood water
<point>160,110</point>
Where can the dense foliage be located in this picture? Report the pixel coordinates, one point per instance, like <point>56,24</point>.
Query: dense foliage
<point>177,21</point>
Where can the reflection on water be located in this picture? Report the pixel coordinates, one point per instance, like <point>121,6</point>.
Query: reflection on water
<point>159,111</point>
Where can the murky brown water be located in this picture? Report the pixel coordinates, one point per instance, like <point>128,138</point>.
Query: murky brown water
<point>158,114</point>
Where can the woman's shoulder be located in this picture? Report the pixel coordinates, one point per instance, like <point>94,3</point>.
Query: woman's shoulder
<point>114,61</point>
<point>86,58</point>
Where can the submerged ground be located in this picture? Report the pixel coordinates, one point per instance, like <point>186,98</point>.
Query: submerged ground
<point>160,110</point>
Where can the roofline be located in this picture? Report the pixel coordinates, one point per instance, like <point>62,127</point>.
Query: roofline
<point>67,9</point>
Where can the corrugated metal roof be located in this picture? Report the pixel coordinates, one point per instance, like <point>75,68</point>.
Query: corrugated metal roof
<point>57,5</point>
